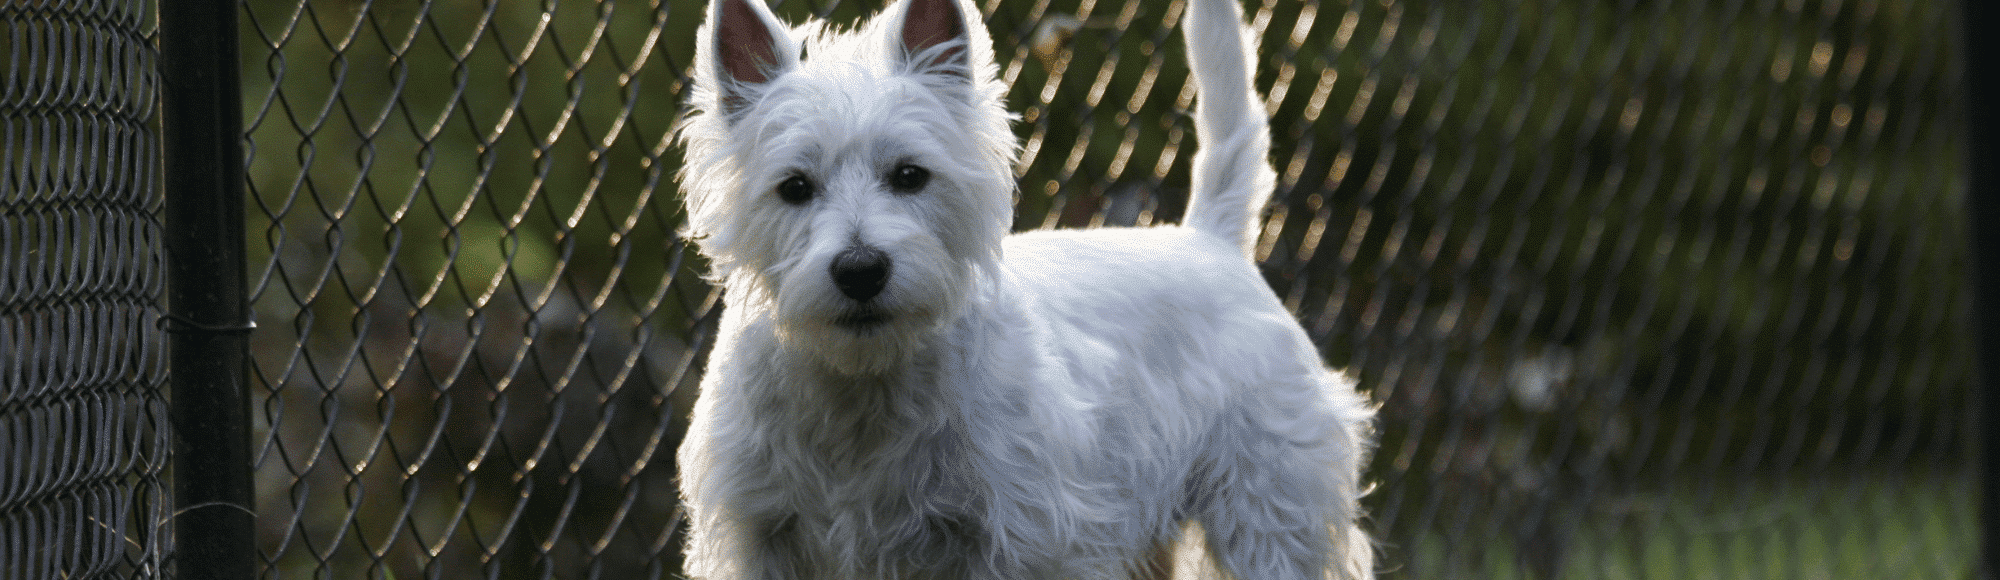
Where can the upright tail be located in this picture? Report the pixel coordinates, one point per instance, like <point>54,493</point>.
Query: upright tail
<point>1232,174</point>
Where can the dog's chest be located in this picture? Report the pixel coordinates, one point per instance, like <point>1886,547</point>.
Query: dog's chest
<point>912,497</point>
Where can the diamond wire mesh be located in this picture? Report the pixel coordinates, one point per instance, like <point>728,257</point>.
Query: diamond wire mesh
<point>1666,289</point>
<point>82,418</point>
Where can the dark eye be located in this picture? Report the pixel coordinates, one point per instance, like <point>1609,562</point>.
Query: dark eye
<point>795,190</point>
<point>908,178</point>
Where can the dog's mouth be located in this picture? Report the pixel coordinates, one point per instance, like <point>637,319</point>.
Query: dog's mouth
<point>862,318</point>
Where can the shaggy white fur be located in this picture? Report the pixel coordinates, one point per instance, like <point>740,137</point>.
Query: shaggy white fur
<point>899,389</point>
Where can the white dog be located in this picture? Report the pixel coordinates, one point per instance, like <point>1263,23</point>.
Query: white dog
<point>901,390</point>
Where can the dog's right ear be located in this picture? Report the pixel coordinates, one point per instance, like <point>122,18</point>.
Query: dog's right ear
<point>743,47</point>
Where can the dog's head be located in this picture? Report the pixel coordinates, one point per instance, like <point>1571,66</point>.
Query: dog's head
<point>855,183</point>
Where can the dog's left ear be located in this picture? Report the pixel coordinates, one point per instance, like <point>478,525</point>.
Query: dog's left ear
<point>934,37</point>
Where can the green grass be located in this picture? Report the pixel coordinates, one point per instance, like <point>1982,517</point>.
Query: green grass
<point>1917,526</point>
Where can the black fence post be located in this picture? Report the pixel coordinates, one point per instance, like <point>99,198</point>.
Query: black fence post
<point>208,315</point>
<point>1983,217</point>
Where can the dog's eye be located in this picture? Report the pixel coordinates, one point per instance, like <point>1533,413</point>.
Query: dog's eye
<point>908,178</point>
<point>795,190</point>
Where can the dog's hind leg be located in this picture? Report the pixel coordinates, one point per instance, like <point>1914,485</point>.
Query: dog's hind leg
<point>1278,500</point>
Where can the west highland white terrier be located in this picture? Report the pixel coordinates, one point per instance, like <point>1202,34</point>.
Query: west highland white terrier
<point>901,390</point>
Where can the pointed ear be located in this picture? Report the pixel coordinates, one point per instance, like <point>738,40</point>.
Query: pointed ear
<point>744,47</point>
<point>934,36</point>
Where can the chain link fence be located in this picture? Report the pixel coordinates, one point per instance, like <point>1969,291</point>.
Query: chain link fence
<point>1645,289</point>
<point>82,416</point>
<point>1661,289</point>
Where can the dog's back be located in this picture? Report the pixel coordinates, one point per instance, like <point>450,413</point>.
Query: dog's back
<point>1198,380</point>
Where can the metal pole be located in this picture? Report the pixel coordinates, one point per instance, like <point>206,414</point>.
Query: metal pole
<point>1983,215</point>
<point>215,533</point>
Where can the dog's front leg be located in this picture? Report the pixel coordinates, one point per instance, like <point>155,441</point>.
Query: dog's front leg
<point>771,549</point>
<point>742,546</point>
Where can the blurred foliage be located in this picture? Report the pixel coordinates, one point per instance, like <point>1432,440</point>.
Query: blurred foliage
<point>1584,253</point>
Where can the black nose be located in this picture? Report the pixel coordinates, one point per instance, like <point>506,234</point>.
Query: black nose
<point>860,272</point>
